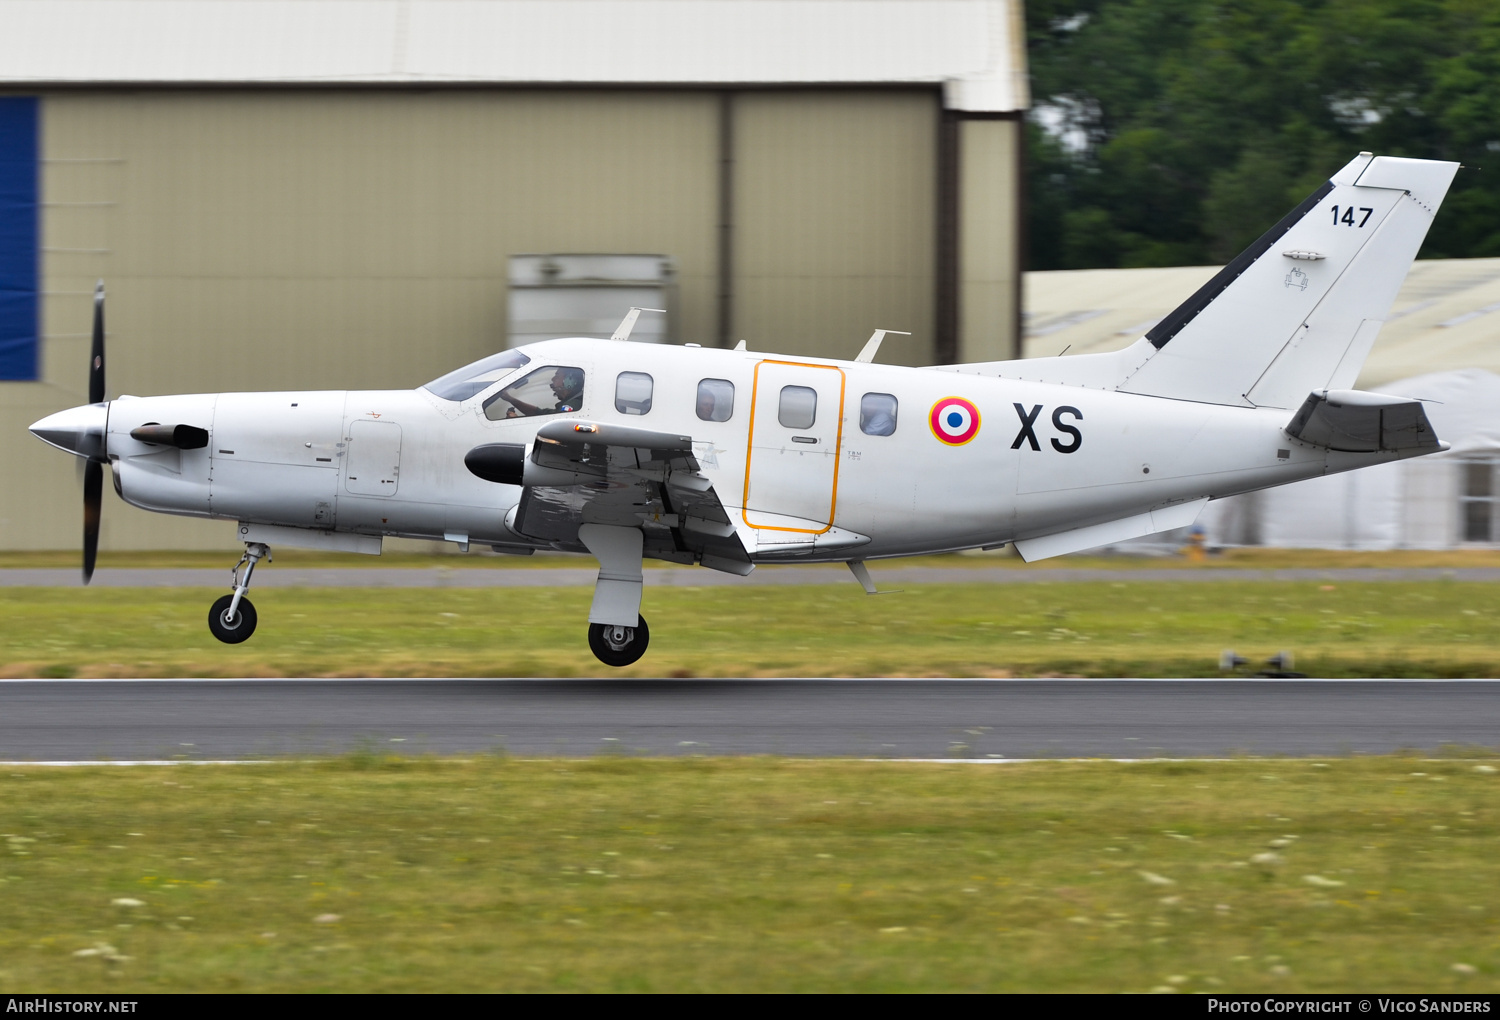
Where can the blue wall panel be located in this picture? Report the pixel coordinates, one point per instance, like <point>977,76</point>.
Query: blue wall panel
<point>19,237</point>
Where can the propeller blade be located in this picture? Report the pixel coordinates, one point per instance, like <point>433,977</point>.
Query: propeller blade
<point>93,496</point>
<point>96,357</point>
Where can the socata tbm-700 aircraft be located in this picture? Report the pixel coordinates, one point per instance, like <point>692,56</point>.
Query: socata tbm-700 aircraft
<point>729,458</point>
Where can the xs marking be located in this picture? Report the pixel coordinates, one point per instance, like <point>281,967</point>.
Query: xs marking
<point>1028,433</point>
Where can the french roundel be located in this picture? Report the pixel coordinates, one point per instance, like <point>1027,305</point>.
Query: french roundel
<point>954,421</point>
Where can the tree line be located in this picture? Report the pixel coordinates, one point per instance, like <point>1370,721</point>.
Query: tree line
<point>1173,132</point>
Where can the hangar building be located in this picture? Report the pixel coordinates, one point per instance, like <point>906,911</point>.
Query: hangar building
<point>368,193</point>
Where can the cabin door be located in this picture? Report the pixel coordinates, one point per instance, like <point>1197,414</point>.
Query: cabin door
<point>796,427</point>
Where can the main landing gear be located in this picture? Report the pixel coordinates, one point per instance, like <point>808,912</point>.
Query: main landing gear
<point>617,631</point>
<point>232,617</point>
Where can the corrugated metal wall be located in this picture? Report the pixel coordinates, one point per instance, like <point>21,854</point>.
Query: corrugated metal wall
<point>312,239</point>
<point>356,239</point>
<point>835,232</point>
<point>988,227</point>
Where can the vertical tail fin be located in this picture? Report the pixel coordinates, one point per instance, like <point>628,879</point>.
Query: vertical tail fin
<point>1299,309</point>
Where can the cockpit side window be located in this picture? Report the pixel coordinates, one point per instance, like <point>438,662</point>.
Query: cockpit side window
<point>463,383</point>
<point>551,389</point>
<point>715,399</point>
<point>633,393</point>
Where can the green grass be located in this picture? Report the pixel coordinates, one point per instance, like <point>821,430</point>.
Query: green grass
<point>1119,628</point>
<point>617,874</point>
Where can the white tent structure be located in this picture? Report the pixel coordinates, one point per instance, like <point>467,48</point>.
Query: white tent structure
<point>1447,314</point>
<point>1443,501</point>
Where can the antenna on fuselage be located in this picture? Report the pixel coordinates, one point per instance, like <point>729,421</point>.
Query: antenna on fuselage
<point>872,345</point>
<point>862,575</point>
<point>622,331</point>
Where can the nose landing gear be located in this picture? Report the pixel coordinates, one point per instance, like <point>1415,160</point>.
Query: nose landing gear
<point>232,617</point>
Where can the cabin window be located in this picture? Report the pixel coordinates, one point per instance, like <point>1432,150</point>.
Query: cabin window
<point>877,414</point>
<point>633,393</point>
<point>799,407</point>
<point>552,389</point>
<point>715,399</point>
<point>465,382</point>
<point>1477,500</point>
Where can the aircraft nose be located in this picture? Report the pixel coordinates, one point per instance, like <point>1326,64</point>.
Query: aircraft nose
<point>78,430</point>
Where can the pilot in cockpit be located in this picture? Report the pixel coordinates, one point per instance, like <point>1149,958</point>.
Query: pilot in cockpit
<point>567,387</point>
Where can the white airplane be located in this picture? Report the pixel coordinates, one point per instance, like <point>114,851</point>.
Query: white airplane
<point>730,458</point>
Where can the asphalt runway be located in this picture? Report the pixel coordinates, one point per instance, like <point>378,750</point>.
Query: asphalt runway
<point>885,576</point>
<point>87,720</point>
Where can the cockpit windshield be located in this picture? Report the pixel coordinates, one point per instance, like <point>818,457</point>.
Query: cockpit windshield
<point>463,383</point>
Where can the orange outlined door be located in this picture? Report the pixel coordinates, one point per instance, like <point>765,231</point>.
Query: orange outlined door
<point>796,426</point>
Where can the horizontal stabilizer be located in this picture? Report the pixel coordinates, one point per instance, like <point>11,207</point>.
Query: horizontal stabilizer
<point>1358,422</point>
<point>1166,518</point>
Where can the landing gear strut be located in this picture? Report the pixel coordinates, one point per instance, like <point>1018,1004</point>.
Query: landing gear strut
<point>619,646</point>
<point>232,617</point>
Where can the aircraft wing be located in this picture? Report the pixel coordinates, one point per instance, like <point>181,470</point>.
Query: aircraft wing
<point>584,472</point>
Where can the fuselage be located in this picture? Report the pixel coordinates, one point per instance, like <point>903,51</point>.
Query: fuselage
<point>789,443</point>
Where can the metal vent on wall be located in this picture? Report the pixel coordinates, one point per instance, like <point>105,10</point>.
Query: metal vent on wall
<point>587,295</point>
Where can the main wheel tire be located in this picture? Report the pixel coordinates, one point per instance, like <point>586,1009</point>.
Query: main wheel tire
<point>615,649</point>
<point>231,632</point>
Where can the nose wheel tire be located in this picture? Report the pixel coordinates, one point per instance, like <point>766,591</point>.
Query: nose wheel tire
<point>619,646</point>
<point>232,631</point>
